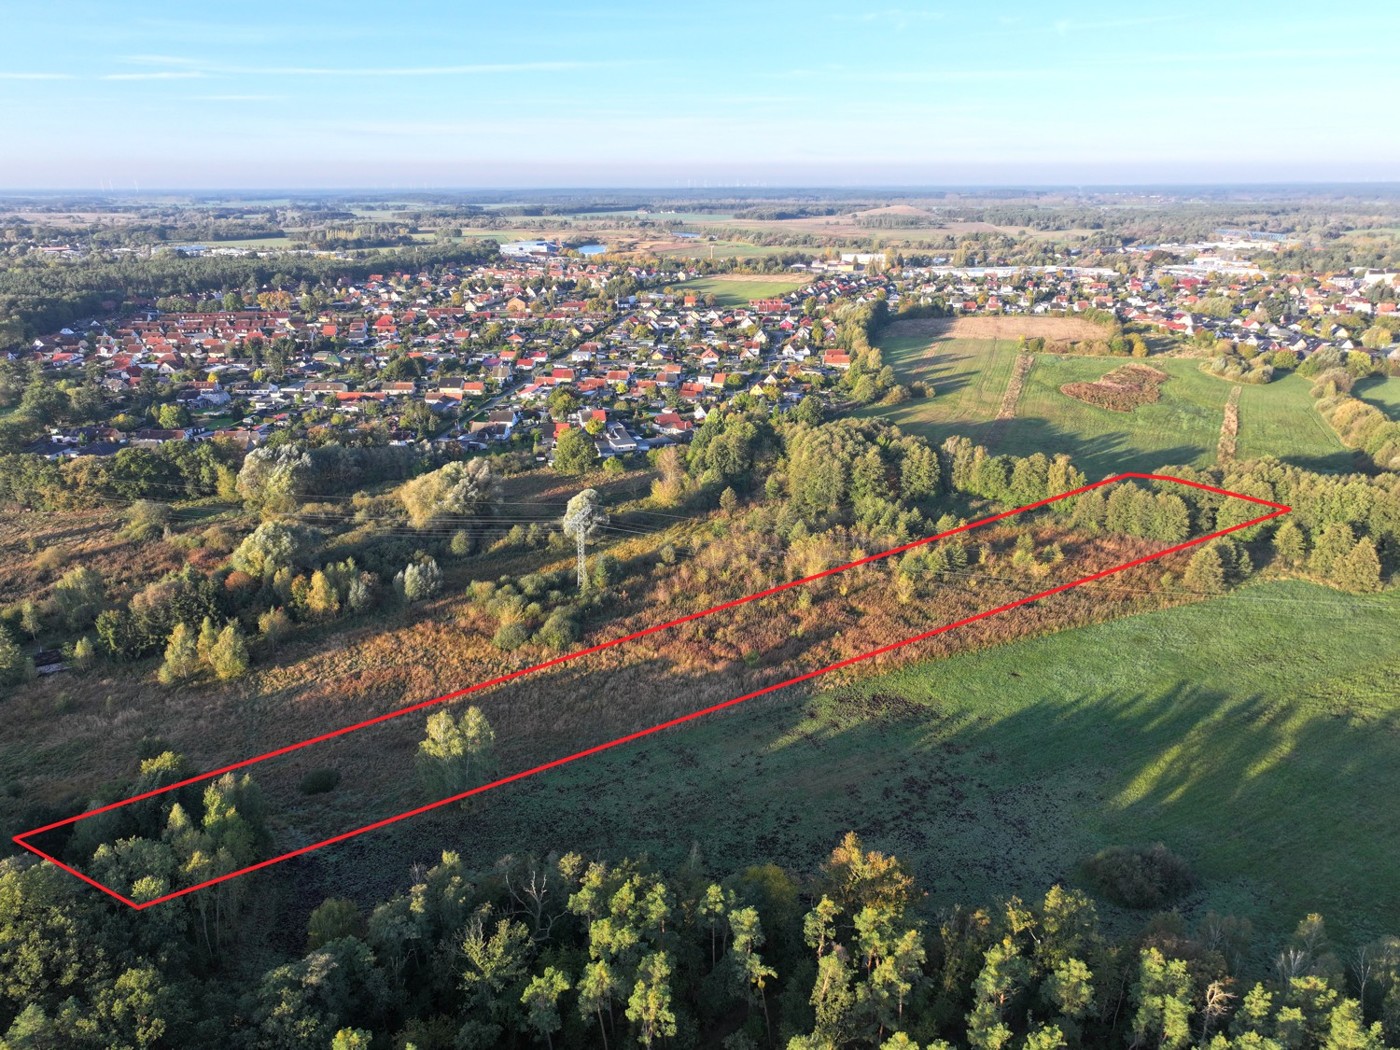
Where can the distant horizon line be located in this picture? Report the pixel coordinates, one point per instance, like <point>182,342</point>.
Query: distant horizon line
<point>769,187</point>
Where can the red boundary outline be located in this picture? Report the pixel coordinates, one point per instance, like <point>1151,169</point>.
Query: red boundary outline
<point>20,839</point>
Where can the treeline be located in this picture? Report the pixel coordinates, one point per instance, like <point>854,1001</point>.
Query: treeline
<point>1359,425</point>
<point>788,211</point>
<point>573,952</point>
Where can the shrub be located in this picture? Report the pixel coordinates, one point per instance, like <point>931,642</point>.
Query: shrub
<point>510,636</point>
<point>319,781</point>
<point>79,596</point>
<point>1140,877</point>
<point>271,546</point>
<point>145,520</point>
<point>461,489</point>
<point>274,625</point>
<point>559,632</point>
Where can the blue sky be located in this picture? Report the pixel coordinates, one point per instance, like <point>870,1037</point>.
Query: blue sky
<point>353,94</point>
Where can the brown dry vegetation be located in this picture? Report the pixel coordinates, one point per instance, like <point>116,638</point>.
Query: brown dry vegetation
<point>1017,326</point>
<point>73,738</point>
<point>1122,390</point>
<point>1229,428</point>
<point>36,549</point>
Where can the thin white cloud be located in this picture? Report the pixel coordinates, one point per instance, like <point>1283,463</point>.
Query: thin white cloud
<point>238,98</point>
<point>160,60</point>
<point>164,75</point>
<point>206,67</point>
<point>417,71</point>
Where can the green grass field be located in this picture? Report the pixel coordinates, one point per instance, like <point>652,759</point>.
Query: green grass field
<point>1237,731</point>
<point>728,292</point>
<point>1383,393</point>
<point>1279,419</point>
<point>970,376</point>
<point>700,249</point>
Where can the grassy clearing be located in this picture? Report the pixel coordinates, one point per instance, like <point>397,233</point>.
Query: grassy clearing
<point>1383,393</point>
<point>970,377</point>
<point>1278,419</point>
<point>1182,427</point>
<point>729,291</point>
<point>1224,729</point>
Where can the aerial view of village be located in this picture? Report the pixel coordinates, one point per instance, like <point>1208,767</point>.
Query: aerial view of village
<point>456,596</point>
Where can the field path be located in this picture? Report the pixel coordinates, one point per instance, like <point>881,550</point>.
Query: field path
<point>1229,428</point>
<point>1014,387</point>
<point>1007,411</point>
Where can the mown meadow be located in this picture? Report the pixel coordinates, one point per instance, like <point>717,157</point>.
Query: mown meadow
<point>969,378</point>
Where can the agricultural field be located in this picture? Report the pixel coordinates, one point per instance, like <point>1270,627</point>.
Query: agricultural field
<point>698,248</point>
<point>969,377</point>
<point>740,289</point>
<point>1112,738</point>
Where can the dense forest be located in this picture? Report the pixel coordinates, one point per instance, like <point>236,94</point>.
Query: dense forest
<point>570,951</point>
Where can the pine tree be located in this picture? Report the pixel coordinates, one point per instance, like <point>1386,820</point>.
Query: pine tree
<point>541,999</point>
<point>649,1006</point>
<point>1123,514</point>
<point>1332,546</point>
<point>1290,544</point>
<point>1360,570</point>
<point>208,635</point>
<point>597,988</point>
<point>1206,572</point>
<point>918,474</point>
<point>1090,511</point>
<point>1163,999</point>
<point>15,667</point>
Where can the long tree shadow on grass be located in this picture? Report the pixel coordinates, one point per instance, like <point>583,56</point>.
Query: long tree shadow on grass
<point>979,806</point>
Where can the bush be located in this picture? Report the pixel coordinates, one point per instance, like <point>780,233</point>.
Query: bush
<point>274,625</point>
<point>559,632</point>
<point>510,636</point>
<point>319,781</point>
<point>1140,877</point>
<point>145,520</point>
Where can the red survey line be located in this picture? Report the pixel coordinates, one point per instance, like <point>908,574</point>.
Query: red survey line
<point>21,839</point>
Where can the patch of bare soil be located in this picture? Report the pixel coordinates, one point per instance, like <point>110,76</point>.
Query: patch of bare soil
<point>1016,326</point>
